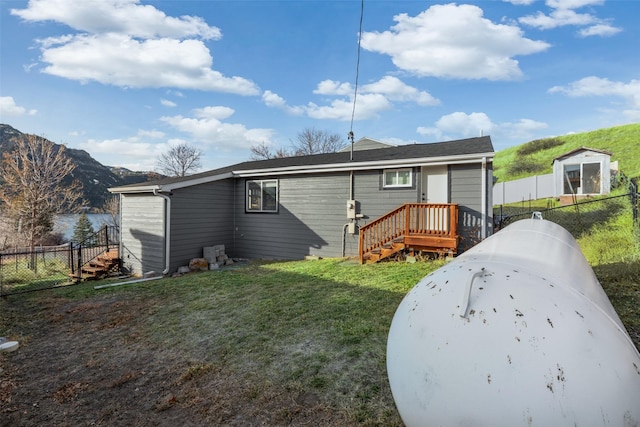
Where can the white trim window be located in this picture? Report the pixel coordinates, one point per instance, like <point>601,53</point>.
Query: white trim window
<point>262,195</point>
<point>398,178</point>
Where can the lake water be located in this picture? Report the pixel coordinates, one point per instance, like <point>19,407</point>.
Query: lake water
<point>64,224</point>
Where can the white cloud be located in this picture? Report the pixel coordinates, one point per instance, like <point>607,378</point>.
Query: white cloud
<point>123,61</point>
<point>563,14</point>
<point>331,87</point>
<point>372,99</point>
<point>455,42</point>
<point>140,153</point>
<point>557,18</point>
<point>597,86</point>
<point>155,134</point>
<point>396,90</point>
<point>463,125</point>
<point>207,127</point>
<point>603,30</point>
<point>117,16</point>
<point>520,2</point>
<point>368,106</point>
<point>9,108</point>
<point>124,43</point>
<point>572,4</point>
<point>167,103</point>
<point>273,100</point>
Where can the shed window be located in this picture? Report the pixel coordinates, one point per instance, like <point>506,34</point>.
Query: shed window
<point>262,195</point>
<point>394,178</point>
<point>584,178</point>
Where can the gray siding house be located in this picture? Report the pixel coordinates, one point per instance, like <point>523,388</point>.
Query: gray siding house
<point>289,208</point>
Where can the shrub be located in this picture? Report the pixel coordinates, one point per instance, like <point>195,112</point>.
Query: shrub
<point>525,165</point>
<point>538,145</point>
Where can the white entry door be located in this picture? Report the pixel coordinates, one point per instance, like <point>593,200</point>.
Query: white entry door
<point>435,184</point>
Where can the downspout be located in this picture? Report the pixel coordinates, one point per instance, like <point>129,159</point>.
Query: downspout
<point>483,209</point>
<point>167,230</point>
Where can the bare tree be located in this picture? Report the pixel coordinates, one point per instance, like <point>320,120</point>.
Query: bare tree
<point>315,141</point>
<point>263,152</point>
<point>111,207</point>
<point>309,141</point>
<point>33,187</point>
<point>181,160</point>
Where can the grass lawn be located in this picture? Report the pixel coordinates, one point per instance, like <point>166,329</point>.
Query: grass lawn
<point>278,343</point>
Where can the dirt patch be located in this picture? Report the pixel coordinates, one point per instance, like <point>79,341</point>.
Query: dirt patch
<point>90,362</point>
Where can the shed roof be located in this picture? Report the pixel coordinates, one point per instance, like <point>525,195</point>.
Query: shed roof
<point>458,151</point>
<point>579,149</point>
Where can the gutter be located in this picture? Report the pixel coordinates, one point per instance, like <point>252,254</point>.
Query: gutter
<point>167,230</point>
<point>377,164</point>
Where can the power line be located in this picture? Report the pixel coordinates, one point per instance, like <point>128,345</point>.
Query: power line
<point>355,91</point>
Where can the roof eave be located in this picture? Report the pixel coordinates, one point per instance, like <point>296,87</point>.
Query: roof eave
<point>376,164</point>
<point>170,186</point>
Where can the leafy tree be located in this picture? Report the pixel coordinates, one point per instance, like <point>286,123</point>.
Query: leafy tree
<point>83,232</point>
<point>32,190</point>
<point>181,160</point>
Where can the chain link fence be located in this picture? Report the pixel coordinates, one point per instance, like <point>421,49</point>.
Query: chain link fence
<point>45,267</point>
<point>578,218</point>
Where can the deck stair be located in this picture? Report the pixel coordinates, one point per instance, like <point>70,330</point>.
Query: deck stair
<point>413,226</point>
<point>100,266</point>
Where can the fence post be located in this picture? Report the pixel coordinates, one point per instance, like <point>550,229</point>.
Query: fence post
<point>106,235</point>
<point>634,199</point>
<point>79,271</point>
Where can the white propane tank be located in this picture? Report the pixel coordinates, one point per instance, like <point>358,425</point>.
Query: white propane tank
<point>516,331</point>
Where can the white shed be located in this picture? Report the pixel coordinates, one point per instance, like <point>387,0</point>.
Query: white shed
<point>583,171</point>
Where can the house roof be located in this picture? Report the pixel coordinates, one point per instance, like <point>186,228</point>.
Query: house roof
<point>458,151</point>
<point>365,144</point>
<point>579,149</point>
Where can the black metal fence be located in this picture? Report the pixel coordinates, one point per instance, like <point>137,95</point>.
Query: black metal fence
<point>579,217</point>
<point>45,267</point>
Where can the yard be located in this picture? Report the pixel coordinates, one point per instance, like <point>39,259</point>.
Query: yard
<point>290,343</point>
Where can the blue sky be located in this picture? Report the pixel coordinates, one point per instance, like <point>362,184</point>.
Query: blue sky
<point>126,79</point>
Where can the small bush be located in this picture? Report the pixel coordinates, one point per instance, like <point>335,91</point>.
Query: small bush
<point>525,165</point>
<point>539,145</point>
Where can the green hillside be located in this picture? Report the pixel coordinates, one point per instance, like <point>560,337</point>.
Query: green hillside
<point>536,157</point>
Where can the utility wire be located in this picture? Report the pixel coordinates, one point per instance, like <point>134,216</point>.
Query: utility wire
<point>355,91</point>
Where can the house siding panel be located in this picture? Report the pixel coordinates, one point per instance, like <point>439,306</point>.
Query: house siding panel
<point>142,233</point>
<point>311,214</point>
<point>201,216</point>
<point>466,191</point>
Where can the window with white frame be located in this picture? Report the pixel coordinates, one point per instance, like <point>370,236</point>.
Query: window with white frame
<point>398,178</point>
<point>262,195</point>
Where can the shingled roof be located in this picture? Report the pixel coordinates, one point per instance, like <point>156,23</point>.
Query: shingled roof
<point>393,155</point>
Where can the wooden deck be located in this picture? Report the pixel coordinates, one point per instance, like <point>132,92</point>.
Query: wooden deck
<point>417,226</point>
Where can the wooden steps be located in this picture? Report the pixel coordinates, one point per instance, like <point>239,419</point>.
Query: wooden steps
<point>100,266</point>
<point>420,227</point>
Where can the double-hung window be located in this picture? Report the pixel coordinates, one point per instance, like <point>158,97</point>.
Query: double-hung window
<point>398,178</point>
<point>262,195</point>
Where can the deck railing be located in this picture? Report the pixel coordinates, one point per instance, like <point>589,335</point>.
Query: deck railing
<point>410,219</point>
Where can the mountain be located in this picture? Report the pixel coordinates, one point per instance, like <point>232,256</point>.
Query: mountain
<point>94,176</point>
